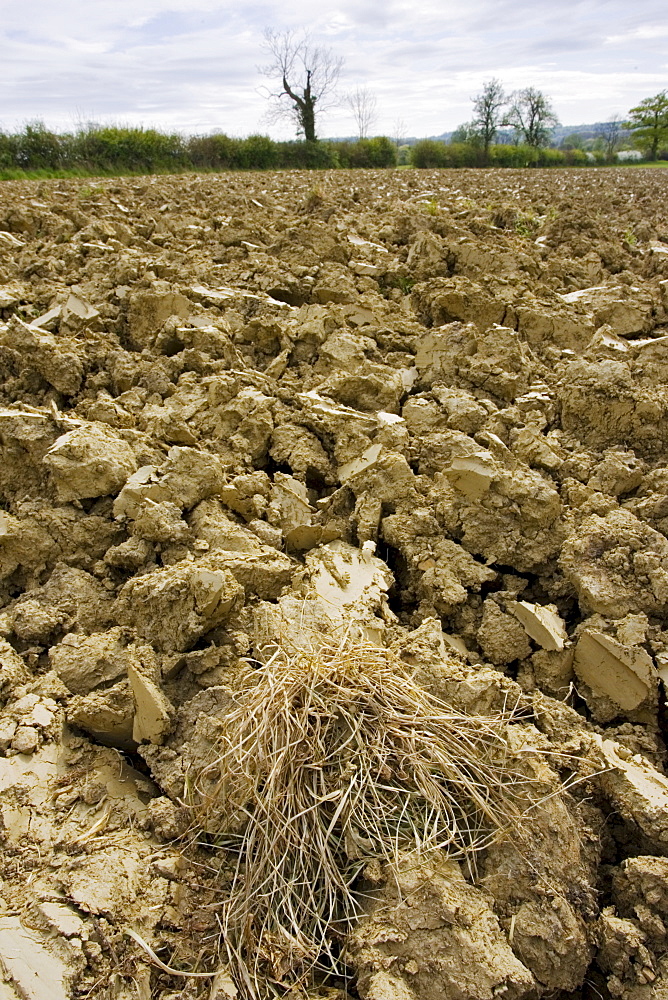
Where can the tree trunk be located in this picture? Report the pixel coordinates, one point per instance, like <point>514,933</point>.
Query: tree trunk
<point>308,110</point>
<point>308,121</point>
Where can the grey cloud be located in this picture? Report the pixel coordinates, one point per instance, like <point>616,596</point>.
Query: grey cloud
<point>192,63</point>
<point>560,45</point>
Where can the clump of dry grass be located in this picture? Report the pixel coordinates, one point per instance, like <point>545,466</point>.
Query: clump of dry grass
<point>335,757</point>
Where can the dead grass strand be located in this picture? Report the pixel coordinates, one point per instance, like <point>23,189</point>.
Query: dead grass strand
<point>332,759</point>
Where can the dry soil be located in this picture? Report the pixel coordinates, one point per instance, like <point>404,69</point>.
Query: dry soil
<point>236,409</point>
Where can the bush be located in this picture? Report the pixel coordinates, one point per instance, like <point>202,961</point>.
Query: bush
<point>215,152</point>
<point>135,149</point>
<point>36,147</point>
<point>464,154</point>
<point>429,153</point>
<point>576,158</point>
<point>433,153</point>
<point>119,149</point>
<point>308,155</point>
<point>513,156</point>
<point>7,151</point>
<point>259,153</point>
<point>383,152</point>
<point>377,152</point>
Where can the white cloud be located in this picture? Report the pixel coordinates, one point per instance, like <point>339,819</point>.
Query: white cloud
<point>647,32</point>
<point>191,64</point>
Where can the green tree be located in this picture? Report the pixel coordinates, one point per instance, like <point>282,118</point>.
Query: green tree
<point>572,141</point>
<point>465,133</point>
<point>532,116</point>
<point>649,121</point>
<point>307,76</point>
<point>487,115</point>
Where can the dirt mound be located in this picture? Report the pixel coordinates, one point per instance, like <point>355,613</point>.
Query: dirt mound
<point>427,412</point>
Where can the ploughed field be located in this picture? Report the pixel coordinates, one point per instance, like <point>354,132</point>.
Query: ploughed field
<point>423,415</point>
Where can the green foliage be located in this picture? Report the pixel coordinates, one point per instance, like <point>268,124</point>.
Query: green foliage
<point>35,146</point>
<point>260,153</point>
<point>382,151</point>
<point>308,155</point>
<point>487,114</point>
<point>49,173</point>
<point>649,121</point>
<point>578,158</point>
<point>572,141</point>
<point>86,192</point>
<point>136,149</point>
<point>513,156</point>
<point>430,153</point>
<point>7,151</point>
<point>377,152</point>
<point>527,225</point>
<point>404,282</point>
<point>115,150</point>
<point>532,116</point>
<point>403,155</point>
<point>215,152</point>
<point>555,157</point>
<point>465,133</point>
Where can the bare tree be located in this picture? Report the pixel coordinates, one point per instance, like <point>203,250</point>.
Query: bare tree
<point>362,102</point>
<point>307,76</point>
<point>532,116</point>
<point>399,130</point>
<point>487,115</point>
<point>609,132</point>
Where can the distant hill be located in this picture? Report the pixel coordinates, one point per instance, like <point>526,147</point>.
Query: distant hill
<point>559,133</point>
<point>586,132</point>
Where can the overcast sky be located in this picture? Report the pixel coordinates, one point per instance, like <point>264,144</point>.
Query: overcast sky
<point>191,65</point>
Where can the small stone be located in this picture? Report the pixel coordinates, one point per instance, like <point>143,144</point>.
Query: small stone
<point>501,637</point>
<point>166,819</point>
<point>7,731</point>
<point>26,739</point>
<point>542,624</point>
<point>153,711</point>
<point>624,674</point>
<point>89,461</point>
